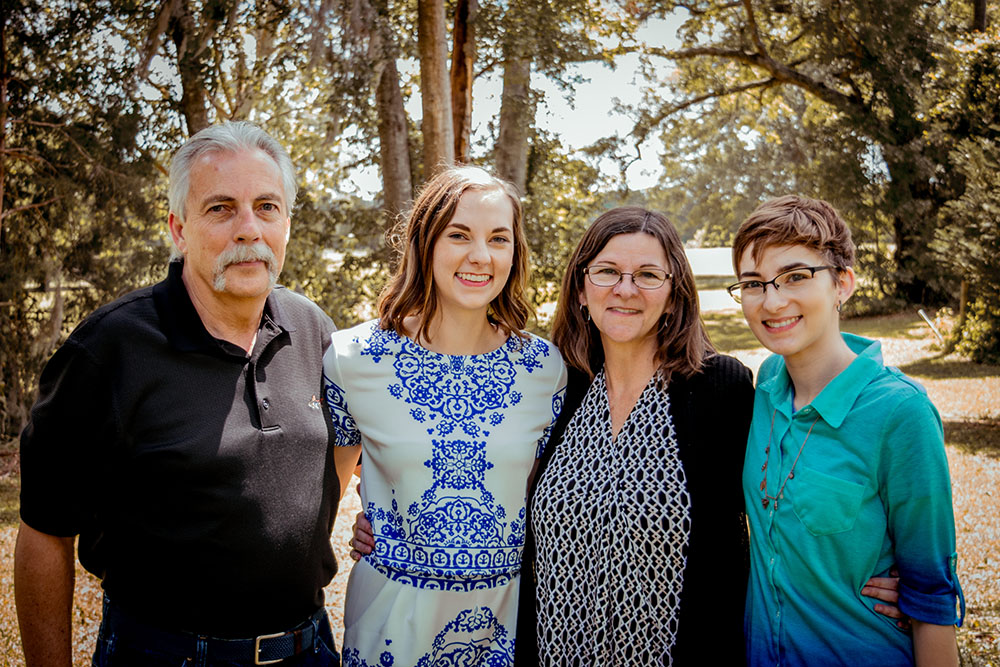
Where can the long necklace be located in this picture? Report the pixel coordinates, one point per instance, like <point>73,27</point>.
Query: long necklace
<point>766,500</point>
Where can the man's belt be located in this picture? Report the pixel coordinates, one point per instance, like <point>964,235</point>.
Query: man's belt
<point>260,650</point>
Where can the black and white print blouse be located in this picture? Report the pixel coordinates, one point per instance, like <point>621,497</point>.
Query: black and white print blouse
<point>612,520</point>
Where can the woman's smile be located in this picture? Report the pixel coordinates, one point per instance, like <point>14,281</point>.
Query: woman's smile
<point>776,326</point>
<point>474,279</point>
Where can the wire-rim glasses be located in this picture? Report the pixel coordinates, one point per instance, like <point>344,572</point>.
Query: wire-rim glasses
<point>789,281</point>
<point>609,276</point>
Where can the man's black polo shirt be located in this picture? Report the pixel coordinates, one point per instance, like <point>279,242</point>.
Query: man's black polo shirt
<point>201,482</point>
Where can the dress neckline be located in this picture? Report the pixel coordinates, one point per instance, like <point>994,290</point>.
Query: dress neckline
<point>410,341</point>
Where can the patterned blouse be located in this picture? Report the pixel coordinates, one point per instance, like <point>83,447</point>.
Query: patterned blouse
<point>612,522</point>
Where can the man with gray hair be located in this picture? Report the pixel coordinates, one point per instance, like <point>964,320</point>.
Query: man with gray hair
<point>179,432</point>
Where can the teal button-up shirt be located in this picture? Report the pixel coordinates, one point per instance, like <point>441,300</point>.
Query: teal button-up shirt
<point>870,489</point>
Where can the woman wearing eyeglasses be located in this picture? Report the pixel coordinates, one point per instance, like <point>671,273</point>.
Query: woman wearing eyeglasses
<point>637,539</point>
<point>845,471</point>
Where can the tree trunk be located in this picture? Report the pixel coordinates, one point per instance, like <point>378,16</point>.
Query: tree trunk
<point>3,130</point>
<point>463,58</point>
<point>393,126</point>
<point>393,140</point>
<point>913,223</point>
<point>436,126</point>
<point>516,116</point>
<point>191,66</point>
<point>979,15</point>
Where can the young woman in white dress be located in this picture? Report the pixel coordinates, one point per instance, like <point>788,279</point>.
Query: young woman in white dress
<point>449,403</point>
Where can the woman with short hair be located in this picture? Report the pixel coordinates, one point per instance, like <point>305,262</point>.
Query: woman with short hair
<point>845,469</point>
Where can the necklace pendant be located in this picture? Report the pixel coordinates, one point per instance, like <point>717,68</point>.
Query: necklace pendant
<point>765,502</point>
<point>791,475</point>
<point>764,467</point>
<point>763,485</point>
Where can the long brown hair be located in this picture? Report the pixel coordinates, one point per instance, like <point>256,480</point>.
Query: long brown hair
<point>682,342</point>
<point>411,290</point>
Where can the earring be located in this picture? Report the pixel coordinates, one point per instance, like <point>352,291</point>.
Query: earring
<point>838,306</point>
<point>585,311</point>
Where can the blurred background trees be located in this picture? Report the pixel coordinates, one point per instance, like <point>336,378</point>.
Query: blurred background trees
<point>875,106</point>
<point>891,110</point>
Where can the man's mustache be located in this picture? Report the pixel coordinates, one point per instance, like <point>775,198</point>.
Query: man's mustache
<point>258,252</point>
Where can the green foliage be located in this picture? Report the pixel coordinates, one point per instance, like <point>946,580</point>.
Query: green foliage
<point>895,121</point>
<point>559,205</point>
<point>337,256</point>
<point>980,337</point>
<point>94,114</point>
<point>80,191</point>
<point>969,244</point>
<point>861,104</point>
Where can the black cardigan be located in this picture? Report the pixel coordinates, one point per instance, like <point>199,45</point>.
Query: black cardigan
<point>711,415</point>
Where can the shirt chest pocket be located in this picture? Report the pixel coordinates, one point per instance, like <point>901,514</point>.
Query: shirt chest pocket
<point>825,504</point>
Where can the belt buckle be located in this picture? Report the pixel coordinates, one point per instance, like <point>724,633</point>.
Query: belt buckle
<point>256,649</point>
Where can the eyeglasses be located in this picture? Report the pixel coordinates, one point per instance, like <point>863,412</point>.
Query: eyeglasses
<point>608,276</point>
<point>790,281</point>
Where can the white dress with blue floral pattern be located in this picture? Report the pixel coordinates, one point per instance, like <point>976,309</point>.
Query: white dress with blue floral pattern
<point>447,445</point>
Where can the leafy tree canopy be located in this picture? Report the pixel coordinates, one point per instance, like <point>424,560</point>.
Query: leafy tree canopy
<point>891,110</point>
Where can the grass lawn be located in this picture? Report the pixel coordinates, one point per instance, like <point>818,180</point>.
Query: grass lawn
<point>967,395</point>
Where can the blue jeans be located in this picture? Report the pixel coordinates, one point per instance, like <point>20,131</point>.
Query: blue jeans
<point>117,649</point>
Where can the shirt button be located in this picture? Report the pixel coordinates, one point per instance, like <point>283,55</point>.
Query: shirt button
<point>265,403</point>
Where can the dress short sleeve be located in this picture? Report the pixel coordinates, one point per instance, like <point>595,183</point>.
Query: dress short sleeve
<point>558,399</point>
<point>344,426</point>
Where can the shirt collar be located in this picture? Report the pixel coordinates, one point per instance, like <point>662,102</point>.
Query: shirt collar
<point>183,326</point>
<point>839,395</point>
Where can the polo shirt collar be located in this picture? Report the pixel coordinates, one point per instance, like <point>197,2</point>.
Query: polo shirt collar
<point>837,397</point>
<point>183,326</point>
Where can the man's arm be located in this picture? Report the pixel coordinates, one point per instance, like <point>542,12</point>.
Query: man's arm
<point>346,459</point>
<point>43,591</point>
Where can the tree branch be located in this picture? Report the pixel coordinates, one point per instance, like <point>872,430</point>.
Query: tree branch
<point>642,131</point>
<point>781,72</point>
<point>38,123</point>
<point>643,16</point>
<point>26,207</point>
<point>23,154</point>
<point>754,31</point>
<point>155,36</point>
<point>791,42</point>
<point>487,65</point>
<point>700,12</point>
